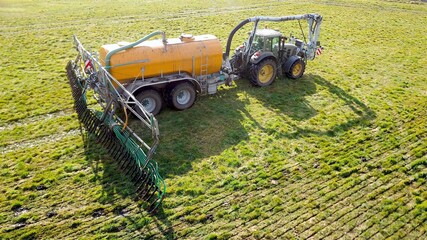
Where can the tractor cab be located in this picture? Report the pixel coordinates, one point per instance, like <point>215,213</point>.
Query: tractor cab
<point>267,40</point>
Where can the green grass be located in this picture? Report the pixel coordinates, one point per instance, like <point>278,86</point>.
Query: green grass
<point>339,153</point>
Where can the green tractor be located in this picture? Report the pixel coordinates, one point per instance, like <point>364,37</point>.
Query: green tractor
<point>267,53</point>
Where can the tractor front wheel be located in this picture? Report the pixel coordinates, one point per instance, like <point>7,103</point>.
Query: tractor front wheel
<point>182,96</point>
<point>297,69</point>
<point>151,100</point>
<point>263,73</point>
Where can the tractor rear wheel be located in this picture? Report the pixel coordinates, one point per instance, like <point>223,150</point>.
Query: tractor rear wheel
<point>151,100</point>
<point>296,70</point>
<point>263,73</point>
<point>182,96</point>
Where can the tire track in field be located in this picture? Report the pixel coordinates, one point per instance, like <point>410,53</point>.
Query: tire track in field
<point>370,7</point>
<point>132,19</point>
<point>39,141</point>
<point>186,14</point>
<point>37,118</point>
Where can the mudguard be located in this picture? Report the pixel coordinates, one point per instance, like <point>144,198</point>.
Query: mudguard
<point>256,59</point>
<point>288,64</point>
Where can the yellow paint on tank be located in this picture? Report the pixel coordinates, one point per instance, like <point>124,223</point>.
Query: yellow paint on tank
<point>198,55</point>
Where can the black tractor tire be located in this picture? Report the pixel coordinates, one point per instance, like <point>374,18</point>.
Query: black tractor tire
<point>296,70</point>
<point>151,100</point>
<point>233,61</point>
<point>236,62</point>
<point>263,73</point>
<point>182,96</point>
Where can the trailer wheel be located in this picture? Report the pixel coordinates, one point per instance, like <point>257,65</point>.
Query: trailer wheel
<point>151,100</point>
<point>297,69</point>
<point>263,73</point>
<point>182,96</point>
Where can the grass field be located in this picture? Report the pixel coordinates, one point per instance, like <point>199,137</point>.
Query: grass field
<point>340,153</point>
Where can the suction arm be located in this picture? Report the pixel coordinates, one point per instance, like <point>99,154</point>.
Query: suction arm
<point>313,16</point>
<point>230,37</point>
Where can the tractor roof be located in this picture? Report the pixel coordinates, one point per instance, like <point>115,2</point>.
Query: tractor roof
<point>268,33</point>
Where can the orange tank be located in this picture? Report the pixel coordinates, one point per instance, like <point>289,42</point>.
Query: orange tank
<point>198,55</point>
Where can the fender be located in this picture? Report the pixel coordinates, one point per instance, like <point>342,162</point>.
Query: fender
<point>288,64</point>
<point>256,59</point>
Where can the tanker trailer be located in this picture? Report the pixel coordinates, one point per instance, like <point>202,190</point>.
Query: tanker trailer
<point>171,70</point>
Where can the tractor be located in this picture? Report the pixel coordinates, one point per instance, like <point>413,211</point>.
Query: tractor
<point>267,53</point>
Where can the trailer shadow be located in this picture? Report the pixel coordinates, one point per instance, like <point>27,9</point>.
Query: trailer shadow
<point>210,126</point>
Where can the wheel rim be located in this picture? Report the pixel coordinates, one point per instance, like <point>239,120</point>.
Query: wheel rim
<point>183,97</point>
<point>149,104</point>
<point>297,69</point>
<point>266,73</point>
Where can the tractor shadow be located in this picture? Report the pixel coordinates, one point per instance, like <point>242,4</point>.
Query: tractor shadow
<point>289,99</point>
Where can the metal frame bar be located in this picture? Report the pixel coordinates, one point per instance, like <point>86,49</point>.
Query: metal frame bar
<point>111,94</point>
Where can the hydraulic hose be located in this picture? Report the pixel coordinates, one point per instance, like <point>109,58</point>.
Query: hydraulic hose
<point>131,45</point>
<point>230,37</point>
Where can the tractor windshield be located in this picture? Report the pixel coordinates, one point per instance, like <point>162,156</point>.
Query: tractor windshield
<point>269,44</point>
<point>258,43</point>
